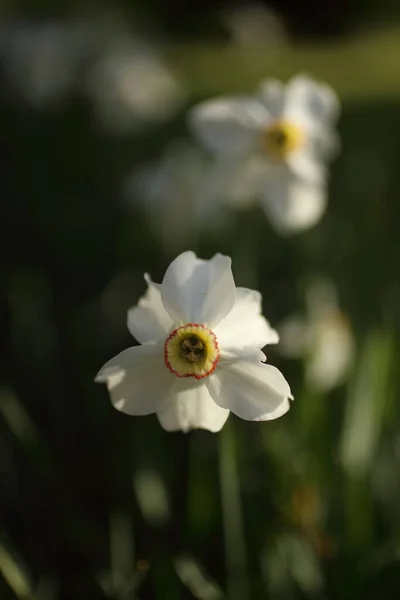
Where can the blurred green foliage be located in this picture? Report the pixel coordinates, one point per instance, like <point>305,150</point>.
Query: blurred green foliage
<point>94,504</point>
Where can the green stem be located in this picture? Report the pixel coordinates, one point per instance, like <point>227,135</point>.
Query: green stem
<point>235,546</point>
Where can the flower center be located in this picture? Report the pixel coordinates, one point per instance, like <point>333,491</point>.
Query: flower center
<point>191,351</point>
<point>280,138</point>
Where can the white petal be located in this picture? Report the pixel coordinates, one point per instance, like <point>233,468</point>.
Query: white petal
<point>323,143</point>
<point>311,101</point>
<point>228,126</point>
<point>293,205</point>
<point>233,181</point>
<point>306,166</point>
<point>330,351</point>
<point>272,94</point>
<point>245,326</point>
<point>199,291</point>
<point>253,392</point>
<point>137,380</point>
<point>235,354</point>
<point>149,321</point>
<point>192,408</point>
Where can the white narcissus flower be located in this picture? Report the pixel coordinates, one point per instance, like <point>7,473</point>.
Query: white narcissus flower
<point>201,355</point>
<point>324,338</point>
<point>179,194</point>
<point>254,24</point>
<point>279,142</point>
<point>169,191</point>
<point>131,86</point>
<point>42,61</point>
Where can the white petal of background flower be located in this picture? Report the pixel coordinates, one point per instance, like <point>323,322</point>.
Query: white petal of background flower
<point>293,205</point>
<point>119,101</point>
<point>231,182</point>
<point>245,325</point>
<point>331,353</point>
<point>254,24</point>
<point>306,166</point>
<point>311,101</point>
<point>149,321</point>
<point>182,193</point>
<point>251,391</point>
<point>330,340</point>
<point>229,126</point>
<point>42,61</point>
<point>272,94</point>
<point>174,194</point>
<point>192,408</point>
<point>323,338</point>
<point>199,291</point>
<point>137,380</point>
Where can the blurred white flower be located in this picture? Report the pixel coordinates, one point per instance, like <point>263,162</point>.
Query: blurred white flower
<point>278,143</point>
<point>179,194</point>
<point>42,61</point>
<point>130,86</point>
<point>200,356</point>
<point>254,24</point>
<point>324,338</point>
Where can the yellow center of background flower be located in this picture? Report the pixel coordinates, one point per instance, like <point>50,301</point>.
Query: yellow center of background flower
<point>280,138</point>
<point>191,351</point>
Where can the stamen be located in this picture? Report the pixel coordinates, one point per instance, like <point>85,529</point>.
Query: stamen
<point>193,349</point>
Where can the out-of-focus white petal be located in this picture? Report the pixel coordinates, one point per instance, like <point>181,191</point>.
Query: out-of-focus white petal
<point>256,25</point>
<point>228,126</point>
<point>191,407</point>
<point>149,321</point>
<point>120,102</point>
<point>245,326</point>
<point>226,183</point>
<point>311,101</point>
<point>253,392</point>
<point>293,205</point>
<point>324,337</point>
<point>137,380</point>
<point>42,61</point>
<point>272,94</point>
<point>306,166</point>
<point>176,193</point>
<point>199,291</point>
<point>234,182</point>
<point>323,143</point>
<point>331,351</point>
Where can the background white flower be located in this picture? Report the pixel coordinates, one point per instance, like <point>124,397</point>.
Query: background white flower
<point>180,194</point>
<point>42,61</point>
<point>254,24</point>
<point>201,355</point>
<point>283,137</point>
<point>131,86</point>
<point>324,338</point>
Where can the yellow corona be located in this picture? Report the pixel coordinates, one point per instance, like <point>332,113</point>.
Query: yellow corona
<point>281,138</point>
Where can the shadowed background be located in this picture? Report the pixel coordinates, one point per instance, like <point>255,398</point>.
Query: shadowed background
<point>94,504</point>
